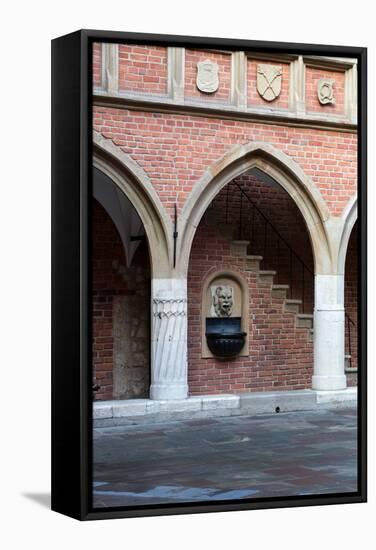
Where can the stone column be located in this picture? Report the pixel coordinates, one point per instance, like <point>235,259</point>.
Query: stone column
<point>329,333</point>
<point>169,339</point>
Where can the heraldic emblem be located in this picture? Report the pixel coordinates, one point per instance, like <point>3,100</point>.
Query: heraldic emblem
<point>207,76</point>
<point>269,80</point>
<point>325,91</point>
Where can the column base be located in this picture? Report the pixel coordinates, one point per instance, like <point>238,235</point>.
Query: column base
<point>329,382</point>
<point>168,391</point>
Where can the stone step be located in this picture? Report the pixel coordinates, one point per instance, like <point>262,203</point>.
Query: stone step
<point>253,262</point>
<point>304,320</point>
<point>266,276</point>
<point>292,305</point>
<point>239,248</point>
<point>279,291</point>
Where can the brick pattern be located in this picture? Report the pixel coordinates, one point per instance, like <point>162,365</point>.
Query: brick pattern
<point>143,69</point>
<point>351,300</point>
<point>175,150</point>
<point>192,57</point>
<point>97,64</point>
<point>312,102</point>
<point>107,283</point>
<point>254,98</point>
<point>280,355</point>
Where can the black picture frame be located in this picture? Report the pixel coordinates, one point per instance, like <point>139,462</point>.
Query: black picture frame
<point>71,328</point>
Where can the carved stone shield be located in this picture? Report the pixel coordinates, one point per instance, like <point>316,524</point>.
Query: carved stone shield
<point>325,91</point>
<point>207,76</point>
<point>269,81</point>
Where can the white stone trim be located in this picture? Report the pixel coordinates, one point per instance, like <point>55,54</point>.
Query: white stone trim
<point>348,219</point>
<point>297,87</point>
<point>169,363</point>
<point>238,94</point>
<point>110,67</point>
<point>329,334</point>
<point>223,404</point>
<point>176,73</point>
<point>351,94</point>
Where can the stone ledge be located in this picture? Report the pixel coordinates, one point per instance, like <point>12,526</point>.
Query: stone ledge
<point>225,404</point>
<point>337,396</point>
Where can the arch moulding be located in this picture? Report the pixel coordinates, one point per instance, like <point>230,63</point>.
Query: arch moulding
<point>348,218</point>
<point>136,185</point>
<point>284,171</point>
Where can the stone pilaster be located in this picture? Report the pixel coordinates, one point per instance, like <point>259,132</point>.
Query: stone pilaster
<point>297,86</point>
<point>351,88</point>
<point>169,339</point>
<point>329,333</point>
<point>110,67</point>
<point>176,61</point>
<point>239,80</point>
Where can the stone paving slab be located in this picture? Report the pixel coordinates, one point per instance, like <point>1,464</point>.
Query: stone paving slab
<point>224,458</point>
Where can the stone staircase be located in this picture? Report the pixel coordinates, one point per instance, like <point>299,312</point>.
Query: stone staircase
<point>290,305</point>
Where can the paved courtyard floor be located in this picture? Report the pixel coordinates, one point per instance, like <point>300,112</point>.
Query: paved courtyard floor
<point>286,454</point>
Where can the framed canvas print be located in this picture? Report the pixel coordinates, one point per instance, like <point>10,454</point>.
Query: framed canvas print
<point>209,274</point>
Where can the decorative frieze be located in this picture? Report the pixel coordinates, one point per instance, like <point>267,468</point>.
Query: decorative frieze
<point>169,308</point>
<point>269,82</point>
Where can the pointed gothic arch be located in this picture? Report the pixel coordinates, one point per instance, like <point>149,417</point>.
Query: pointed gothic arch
<point>285,171</point>
<point>136,185</point>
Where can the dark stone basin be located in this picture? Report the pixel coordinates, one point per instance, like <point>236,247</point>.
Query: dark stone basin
<point>224,336</point>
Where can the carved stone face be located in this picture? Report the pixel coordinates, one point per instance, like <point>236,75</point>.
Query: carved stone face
<point>223,301</point>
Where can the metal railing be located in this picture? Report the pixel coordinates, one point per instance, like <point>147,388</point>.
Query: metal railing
<point>306,275</point>
<point>250,212</point>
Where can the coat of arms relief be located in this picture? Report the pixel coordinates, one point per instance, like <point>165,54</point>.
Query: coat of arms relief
<point>207,80</point>
<point>269,81</point>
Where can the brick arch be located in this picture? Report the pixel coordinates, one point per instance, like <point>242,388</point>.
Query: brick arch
<point>349,217</point>
<point>284,171</point>
<point>134,182</point>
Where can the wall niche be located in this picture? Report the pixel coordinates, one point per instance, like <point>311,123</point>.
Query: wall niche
<point>224,316</point>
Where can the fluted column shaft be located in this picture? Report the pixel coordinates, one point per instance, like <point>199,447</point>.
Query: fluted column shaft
<point>169,339</point>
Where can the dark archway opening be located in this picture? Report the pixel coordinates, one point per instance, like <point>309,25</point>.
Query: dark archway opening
<point>277,262</point>
<point>121,296</point>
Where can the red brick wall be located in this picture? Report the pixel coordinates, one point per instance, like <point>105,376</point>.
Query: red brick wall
<point>280,355</point>
<point>312,102</point>
<point>175,150</point>
<point>254,98</point>
<point>97,63</point>
<point>351,299</point>
<point>192,57</point>
<point>107,283</point>
<point>143,69</point>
